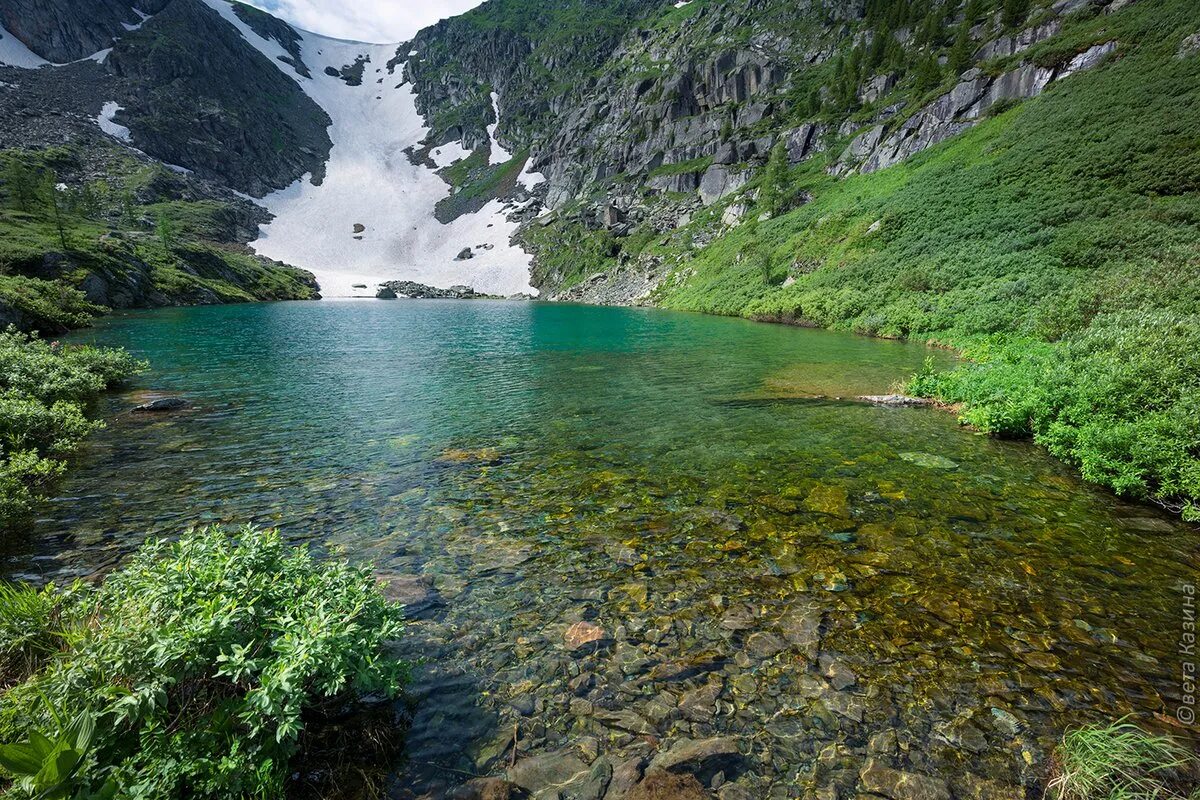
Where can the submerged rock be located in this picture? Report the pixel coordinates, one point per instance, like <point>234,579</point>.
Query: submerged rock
<point>162,404</point>
<point>878,779</point>
<point>701,757</point>
<point>929,460</point>
<point>668,786</point>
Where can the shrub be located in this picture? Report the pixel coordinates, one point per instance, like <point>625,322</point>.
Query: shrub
<point>201,661</point>
<point>44,390</point>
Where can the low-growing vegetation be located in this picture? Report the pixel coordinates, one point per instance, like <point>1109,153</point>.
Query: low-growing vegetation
<point>45,391</point>
<point>129,240</point>
<point>1121,761</point>
<point>1057,244</point>
<point>200,669</point>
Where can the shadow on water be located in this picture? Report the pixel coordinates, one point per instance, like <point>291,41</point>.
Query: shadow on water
<point>826,582</point>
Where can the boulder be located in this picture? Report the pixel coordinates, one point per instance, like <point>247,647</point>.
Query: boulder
<point>800,142</point>
<point>386,293</point>
<point>464,254</point>
<point>1189,46</point>
<point>718,181</point>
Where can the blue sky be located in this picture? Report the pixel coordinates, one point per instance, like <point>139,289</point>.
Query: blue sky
<point>365,20</point>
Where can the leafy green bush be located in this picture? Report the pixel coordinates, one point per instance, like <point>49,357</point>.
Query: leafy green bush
<point>44,390</point>
<point>201,661</point>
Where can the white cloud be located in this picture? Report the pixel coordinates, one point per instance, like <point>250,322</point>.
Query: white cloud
<point>365,20</point>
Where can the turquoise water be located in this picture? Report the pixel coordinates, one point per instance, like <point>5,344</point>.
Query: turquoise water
<point>766,561</point>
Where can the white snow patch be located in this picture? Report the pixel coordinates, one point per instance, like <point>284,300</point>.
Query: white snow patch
<point>106,123</point>
<point>412,53</point>
<point>499,155</point>
<point>143,16</point>
<point>528,178</point>
<point>683,3</point>
<point>369,180</point>
<point>14,53</point>
<point>98,56</point>
<point>446,154</point>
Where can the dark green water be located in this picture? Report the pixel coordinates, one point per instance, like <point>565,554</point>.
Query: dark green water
<point>802,574</point>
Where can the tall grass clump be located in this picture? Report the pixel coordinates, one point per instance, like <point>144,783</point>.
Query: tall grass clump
<point>194,671</point>
<point>1121,761</point>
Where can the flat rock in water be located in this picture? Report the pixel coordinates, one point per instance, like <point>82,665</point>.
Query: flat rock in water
<point>414,592</point>
<point>700,757</point>
<point>895,400</point>
<point>546,771</point>
<point>878,779</point>
<point>487,789</point>
<point>929,460</point>
<point>584,636</point>
<point>668,786</point>
<point>162,404</point>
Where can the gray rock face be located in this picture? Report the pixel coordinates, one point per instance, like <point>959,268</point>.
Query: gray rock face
<point>1007,45</point>
<point>1189,46</point>
<point>419,291</point>
<point>718,181</point>
<point>198,94</point>
<point>957,110</point>
<point>66,30</point>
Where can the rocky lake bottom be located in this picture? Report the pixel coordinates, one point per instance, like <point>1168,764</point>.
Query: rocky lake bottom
<point>632,540</point>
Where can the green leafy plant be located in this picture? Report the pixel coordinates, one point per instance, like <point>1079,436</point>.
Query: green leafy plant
<point>202,661</point>
<point>46,767</point>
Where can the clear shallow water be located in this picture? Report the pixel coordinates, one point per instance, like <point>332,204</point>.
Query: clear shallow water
<point>801,574</point>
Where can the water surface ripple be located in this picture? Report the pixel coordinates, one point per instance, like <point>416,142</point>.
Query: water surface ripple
<point>832,584</point>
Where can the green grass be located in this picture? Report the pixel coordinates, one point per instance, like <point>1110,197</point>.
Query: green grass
<point>199,669</point>
<point>101,232</point>
<point>1121,762</point>
<point>1058,243</point>
<point>683,167</point>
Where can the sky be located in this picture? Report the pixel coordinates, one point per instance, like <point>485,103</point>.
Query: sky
<point>365,20</point>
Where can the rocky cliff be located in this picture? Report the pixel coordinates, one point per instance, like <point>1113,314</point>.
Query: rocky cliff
<point>189,88</point>
<point>670,109</point>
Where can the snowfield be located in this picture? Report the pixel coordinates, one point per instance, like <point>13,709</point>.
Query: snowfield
<point>370,182</point>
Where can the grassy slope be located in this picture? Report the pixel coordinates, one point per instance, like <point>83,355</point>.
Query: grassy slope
<point>1058,243</point>
<point>116,236</point>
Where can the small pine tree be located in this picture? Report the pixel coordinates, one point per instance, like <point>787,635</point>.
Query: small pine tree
<point>960,54</point>
<point>165,230</point>
<point>974,11</point>
<point>20,184</point>
<point>726,129</point>
<point>1015,12</point>
<point>776,187</point>
<point>127,217</point>
<point>815,102</point>
<point>55,201</point>
<point>929,74</point>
